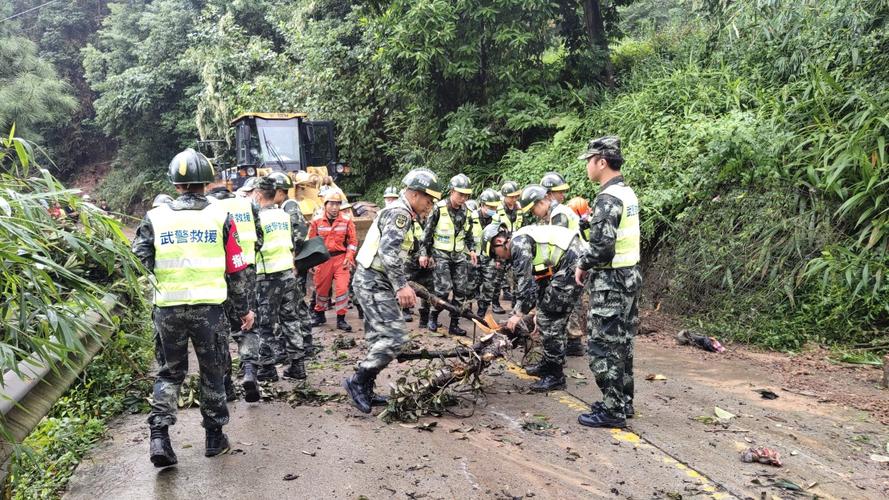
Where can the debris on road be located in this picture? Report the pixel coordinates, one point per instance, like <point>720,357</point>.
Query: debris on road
<point>655,376</point>
<point>687,337</point>
<point>766,394</point>
<point>290,477</point>
<point>762,455</point>
<point>341,343</point>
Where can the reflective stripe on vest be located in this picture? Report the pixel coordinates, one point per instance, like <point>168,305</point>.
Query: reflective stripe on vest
<point>241,210</point>
<point>551,244</point>
<point>447,238</point>
<point>504,218</point>
<point>276,254</point>
<point>368,254</point>
<point>573,219</point>
<point>627,245</point>
<point>189,256</point>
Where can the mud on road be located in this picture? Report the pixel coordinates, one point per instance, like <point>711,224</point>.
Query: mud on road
<point>516,444</point>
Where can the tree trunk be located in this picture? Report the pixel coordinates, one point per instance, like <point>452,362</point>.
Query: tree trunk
<point>595,28</point>
<point>885,383</point>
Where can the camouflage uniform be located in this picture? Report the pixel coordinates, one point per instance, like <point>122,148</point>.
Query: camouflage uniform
<point>488,271</point>
<point>420,275</point>
<point>300,231</point>
<point>505,277</point>
<point>205,325</point>
<point>554,296</point>
<point>613,315</point>
<point>384,328</point>
<point>278,325</point>
<point>451,273</point>
<point>577,321</point>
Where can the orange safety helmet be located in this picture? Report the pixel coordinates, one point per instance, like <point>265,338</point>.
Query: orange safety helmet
<point>333,194</point>
<point>580,205</point>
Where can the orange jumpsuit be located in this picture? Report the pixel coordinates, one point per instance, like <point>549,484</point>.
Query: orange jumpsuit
<point>341,241</point>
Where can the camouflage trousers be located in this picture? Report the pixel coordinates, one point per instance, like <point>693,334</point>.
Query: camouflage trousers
<point>489,281</point>
<point>557,297</point>
<point>612,320</point>
<point>384,328</point>
<point>302,312</point>
<point>577,327</point>
<point>451,276</point>
<point>277,308</point>
<point>206,326</point>
<point>248,342</point>
<point>421,276</point>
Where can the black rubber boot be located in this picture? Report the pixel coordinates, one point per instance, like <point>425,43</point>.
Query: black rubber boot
<point>230,394</point>
<point>216,443</point>
<point>267,373</point>
<point>296,370</point>
<point>507,295</point>
<point>455,329</point>
<point>251,388</point>
<point>535,370</point>
<point>599,406</point>
<point>552,379</point>
<point>360,311</point>
<point>309,346</point>
<point>407,315</point>
<point>358,386</point>
<point>496,308</point>
<point>601,419</point>
<point>319,319</point>
<point>424,317</point>
<point>160,449</point>
<point>280,357</point>
<point>433,320</point>
<point>482,310</point>
<point>378,400</point>
<point>342,325</point>
<point>574,347</point>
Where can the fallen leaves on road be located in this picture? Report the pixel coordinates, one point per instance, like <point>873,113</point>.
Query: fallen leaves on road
<point>722,414</point>
<point>766,394</point>
<point>880,458</point>
<point>762,455</point>
<point>655,376</point>
<point>537,423</point>
<point>290,477</point>
<point>427,426</point>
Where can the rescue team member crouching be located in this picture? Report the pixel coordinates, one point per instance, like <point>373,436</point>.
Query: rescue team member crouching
<point>246,217</point>
<point>446,241</point>
<point>489,270</point>
<point>342,244</point>
<point>190,246</point>
<point>276,285</point>
<point>614,279</point>
<point>510,214</point>
<point>544,259</point>
<point>380,282</point>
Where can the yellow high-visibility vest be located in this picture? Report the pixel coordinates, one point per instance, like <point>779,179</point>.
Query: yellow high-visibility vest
<point>447,238</point>
<point>573,219</point>
<point>368,255</point>
<point>476,225</point>
<point>551,243</point>
<point>189,255</point>
<point>276,254</point>
<point>241,210</point>
<point>502,217</point>
<point>627,245</point>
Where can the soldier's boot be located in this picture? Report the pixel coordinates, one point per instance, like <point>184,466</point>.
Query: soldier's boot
<point>280,357</point>
<point>230,394</point>
<point>601,418</point>
<point>424,317</point>
<point>407,314</point>
<point>536,369</point>
<point>309,346</point>
<point>251,388</point>
<point>216,443</point>
<point>574,347</point>
<point>599,406</point>
<point>496,308</point>
<point>433,320</point>
<point>267,373</point>
<point>553,379</point>
<point>360,311</point>
<point>378,400</point>
<point>507,295</point>
<point>482,310</point>
<point>357,386</point>
<point>296,370</point>
<point>455,329</point>
<point>160,449</point>
<point>341,323</point>
<point>319,319</point>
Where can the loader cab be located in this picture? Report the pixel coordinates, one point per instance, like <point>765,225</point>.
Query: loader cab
<point>285,142</point>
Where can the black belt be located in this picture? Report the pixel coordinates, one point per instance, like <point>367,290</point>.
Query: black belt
<point>340,252</point>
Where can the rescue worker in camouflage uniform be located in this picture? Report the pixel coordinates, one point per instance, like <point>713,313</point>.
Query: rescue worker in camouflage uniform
<point>544,259</point>
<point>446,241</point>
<point>246,217</point>
<point>300,232</point>
<point>509,213</point>
<point>475,272</point>
<point>381,283</point>
<point>420,275</point>
<point>614,280</point>
<point>390,195</point>
<point>489,269</point>
<point>190,246</point>
<point>276,287</point>
<point>559,214</point>
<point>161,199</point>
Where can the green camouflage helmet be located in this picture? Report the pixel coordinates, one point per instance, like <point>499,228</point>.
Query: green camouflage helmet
<point>530,195</point>
<point>460,183</point>
<point>424,181</point>
<point>607,147</point>
<point>282,181</point>
<point>490,198</point>
<point>471,205</point>
<point>510,188</point>
<point>553,181</point>
<point>249,185</point>
<point>490,232</point>
<point>161,199</point>
<point>391,192</point>
<point>190,167</point>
